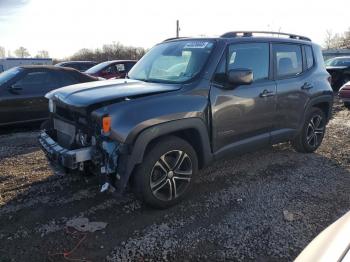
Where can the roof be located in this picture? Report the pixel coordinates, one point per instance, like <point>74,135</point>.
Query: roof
<point>119,61</point>
<point>82,62</point>
<point>49,67</point>
<point>249,36</point>
<point>341,57</point>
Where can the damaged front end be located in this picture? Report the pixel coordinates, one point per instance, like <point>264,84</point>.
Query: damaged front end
<point>76,142</point>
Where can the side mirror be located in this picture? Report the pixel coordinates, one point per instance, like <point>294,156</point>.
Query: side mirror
<point>240,76</point>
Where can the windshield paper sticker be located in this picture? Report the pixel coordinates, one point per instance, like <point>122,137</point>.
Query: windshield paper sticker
<point>196,44</point>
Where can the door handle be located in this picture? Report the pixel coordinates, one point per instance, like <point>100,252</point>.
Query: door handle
<point>266,93</point>
<point>306,86</point>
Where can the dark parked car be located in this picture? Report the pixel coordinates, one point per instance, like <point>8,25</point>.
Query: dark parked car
<point>344,94</point>
<point>22,91</point>
<point>339,68</point>
<point>187,102</point>
<point>112,69</point>
<point>81,66</point>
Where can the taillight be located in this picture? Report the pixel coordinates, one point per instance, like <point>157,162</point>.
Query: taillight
<point>329,79</point>
<point>106,124</point>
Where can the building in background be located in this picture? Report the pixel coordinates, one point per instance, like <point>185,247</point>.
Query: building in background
<point>7,63</point>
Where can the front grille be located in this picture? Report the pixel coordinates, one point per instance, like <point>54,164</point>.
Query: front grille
<point>65,113</point>
<point>71,128</point>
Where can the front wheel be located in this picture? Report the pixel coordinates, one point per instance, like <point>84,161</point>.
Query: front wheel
<point>312,133</point>
<point>166,174</point>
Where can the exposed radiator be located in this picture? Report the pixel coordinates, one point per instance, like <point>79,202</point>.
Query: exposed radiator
<point>65,133</point>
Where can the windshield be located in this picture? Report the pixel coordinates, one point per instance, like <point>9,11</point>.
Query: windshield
<point>172,62</point>
<point>9,74</point>
<point>338,62</point>
<point>97,68</point>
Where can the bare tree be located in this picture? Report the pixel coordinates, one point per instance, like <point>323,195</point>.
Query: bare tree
<point>337,40</point>
<point>42,54</point>
<point>22,52</point>
<point>328,39</point>
<point>346,39</point>
<point>2,52</point>
<point>112,51</point>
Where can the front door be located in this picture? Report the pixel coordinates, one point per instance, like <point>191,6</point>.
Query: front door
<point>243,114</point>
<point>26,96</point>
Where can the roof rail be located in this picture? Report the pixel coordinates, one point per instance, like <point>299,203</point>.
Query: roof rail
<point>250,33</point>
<point>173,38</point>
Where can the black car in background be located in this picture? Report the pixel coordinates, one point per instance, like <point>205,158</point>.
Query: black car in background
<point>339,68</point>
<point>22,91</point>
<point>78,65</point>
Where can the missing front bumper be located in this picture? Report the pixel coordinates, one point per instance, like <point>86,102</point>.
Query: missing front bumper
<point>62,156</point>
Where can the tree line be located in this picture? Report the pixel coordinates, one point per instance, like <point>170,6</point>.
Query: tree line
<point>112,51</point>
<point>337,40</point>
<point>22,52</point>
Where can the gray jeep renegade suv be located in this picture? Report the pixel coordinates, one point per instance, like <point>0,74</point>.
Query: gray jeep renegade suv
<point>187,102</point>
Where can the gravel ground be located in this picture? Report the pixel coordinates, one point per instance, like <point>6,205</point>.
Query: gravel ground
<point>264,206</point>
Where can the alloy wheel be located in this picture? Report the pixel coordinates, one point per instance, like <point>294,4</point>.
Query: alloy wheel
<point>171,175</point>
<point>315,131</point>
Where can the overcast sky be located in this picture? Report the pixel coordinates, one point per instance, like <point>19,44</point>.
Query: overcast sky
<point>64,26</point>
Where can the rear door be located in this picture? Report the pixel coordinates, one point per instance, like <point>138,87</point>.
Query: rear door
<point>293,87</point>
<point>244,114</point>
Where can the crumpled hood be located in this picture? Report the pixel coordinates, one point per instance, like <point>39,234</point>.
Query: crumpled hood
<point>86,94</point>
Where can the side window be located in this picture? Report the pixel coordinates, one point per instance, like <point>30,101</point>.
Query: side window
<point>288,60</point>
<point>108,70</point>
<point>37,80</point>
<point>120,68</point>
<point>309,56</point>
<point>67,79</point>
<point>253,56</point>
<point>129,66</point>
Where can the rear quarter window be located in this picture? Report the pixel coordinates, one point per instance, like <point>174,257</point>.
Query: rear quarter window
<point>309,56</point>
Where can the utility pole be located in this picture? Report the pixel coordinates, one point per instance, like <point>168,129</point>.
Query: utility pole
<point>177,29</point>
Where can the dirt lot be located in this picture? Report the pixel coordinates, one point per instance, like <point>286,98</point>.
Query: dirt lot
<point>262,206</point>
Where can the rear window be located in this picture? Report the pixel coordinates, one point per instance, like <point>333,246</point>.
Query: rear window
<point>309,57</point>
<point>288,60</point>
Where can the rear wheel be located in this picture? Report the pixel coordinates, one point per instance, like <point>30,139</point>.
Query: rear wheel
<point>311,135</point>
<point>347,105</point>
<point>166,173</point>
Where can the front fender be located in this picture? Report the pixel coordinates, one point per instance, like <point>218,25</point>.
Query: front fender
<point>129,161</point>
<point>132,116</point>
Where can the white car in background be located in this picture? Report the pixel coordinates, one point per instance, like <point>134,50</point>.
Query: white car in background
<point>333,244</point>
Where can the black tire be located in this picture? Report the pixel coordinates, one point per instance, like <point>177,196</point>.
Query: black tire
<point>312,133</point>
<point>166,170</point>
<point>347,105</point>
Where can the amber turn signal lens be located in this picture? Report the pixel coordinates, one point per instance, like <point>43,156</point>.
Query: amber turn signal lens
<point>106,124</point>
